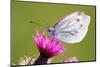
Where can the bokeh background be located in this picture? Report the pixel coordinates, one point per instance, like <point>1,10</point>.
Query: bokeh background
<point>29,17</point>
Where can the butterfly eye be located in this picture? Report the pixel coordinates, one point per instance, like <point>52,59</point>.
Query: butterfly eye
<point>48,30</point>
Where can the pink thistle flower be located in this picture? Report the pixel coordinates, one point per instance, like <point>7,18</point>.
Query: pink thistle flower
<point>48,47</point>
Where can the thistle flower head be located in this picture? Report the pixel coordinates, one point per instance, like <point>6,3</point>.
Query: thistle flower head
<point>48,47</point>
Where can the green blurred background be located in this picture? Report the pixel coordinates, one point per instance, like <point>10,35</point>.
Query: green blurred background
<point>29,17</point>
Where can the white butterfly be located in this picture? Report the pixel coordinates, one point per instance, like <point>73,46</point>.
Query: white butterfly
<point>72,28</point>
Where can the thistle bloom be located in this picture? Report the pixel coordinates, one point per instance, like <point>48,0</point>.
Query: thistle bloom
<point>48,48</point>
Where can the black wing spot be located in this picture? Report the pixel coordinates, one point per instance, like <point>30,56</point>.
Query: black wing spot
<point>77,20</point>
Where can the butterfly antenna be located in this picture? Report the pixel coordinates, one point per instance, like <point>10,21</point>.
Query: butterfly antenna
<point>38,24</point>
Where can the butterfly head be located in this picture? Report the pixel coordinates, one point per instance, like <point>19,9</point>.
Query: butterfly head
<point>52,31</point>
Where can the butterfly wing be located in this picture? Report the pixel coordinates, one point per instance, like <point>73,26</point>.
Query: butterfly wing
<point>72,28</point>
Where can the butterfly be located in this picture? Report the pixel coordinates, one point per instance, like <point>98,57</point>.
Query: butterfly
<point>72,28</point>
